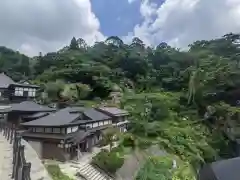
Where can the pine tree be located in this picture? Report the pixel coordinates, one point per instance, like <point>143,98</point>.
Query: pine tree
<point>74,44</point>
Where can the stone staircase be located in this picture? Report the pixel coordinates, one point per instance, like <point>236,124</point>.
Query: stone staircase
<point>90,173</point>
<point>84,168</point>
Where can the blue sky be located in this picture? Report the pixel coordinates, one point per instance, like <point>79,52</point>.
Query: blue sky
<point>48,25</point>
<point>117,17</point>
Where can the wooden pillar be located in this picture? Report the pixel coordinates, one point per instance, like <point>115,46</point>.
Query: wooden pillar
<point>26,171</point>
<point>21,163</point>
<point>9,132</point>
<point>12,134</point>
<point>5,130</point>
<point>79,154</point>
<point>16,162</point>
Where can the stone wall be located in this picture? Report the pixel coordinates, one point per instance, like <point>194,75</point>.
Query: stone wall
<point>38,171</point>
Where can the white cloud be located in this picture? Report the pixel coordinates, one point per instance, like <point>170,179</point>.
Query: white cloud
<point>131,1</point>
<point>180,22</point>
<point>43,25</point>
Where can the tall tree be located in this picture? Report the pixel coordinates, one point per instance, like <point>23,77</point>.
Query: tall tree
<point>74,44</point>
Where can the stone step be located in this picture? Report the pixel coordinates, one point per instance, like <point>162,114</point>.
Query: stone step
<point>91,173</point>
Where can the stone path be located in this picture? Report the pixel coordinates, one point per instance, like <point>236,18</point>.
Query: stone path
<point>38,171</point>
<point>5,159</point>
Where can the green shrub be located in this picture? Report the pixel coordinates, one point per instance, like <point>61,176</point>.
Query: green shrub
<point>128,140</point>
<point>161,168</point>
<point>109,162</point>
<point>56,173</point>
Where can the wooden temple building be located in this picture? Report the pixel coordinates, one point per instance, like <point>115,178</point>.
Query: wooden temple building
<point>61,134</point>
<point>11,91</point>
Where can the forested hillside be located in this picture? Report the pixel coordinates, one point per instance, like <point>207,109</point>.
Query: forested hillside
<point>208,66</point>
<point>170,93</point>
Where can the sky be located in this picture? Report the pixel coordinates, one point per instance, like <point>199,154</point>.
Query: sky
<point>33,26</point>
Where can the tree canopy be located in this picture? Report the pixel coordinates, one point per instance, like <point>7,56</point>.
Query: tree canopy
<point>167,90</point>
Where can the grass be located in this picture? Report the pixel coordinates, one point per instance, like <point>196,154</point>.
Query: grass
<point>56,173</point>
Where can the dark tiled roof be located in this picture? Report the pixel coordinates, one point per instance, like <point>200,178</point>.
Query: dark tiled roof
<point>80,135</point>
<point>25,85</point>
<point>77,136</point>
<point>113,111</point>
<point>89,113</point>
<point>5,81</point>
<point>59,118</point>
<point>36,115</point>
<point>29,106</point>
<point>93,114</point>
<point>221,170</point>
<point>69,116</point>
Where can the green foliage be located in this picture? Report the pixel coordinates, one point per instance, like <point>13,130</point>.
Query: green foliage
<point>207,67</point>
<point>56,173</point>
<point>108,161</point>
<point>109,135</point>
<point>191,141</point>
<point>53,89</point>
<point>162,168</point>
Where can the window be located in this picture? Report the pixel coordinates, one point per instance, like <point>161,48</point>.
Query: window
<point>31,92</point>
<point>56,130</point>
<point>88,126</point>
<point>95,124</point>
<point>110,122</point>
<point>39,129</point>
<point>18,91</point>
<point>63,130</point>
<point>69,130</point>
<point>74,129</point>
<point>48,130</point>
<point>101,123</point>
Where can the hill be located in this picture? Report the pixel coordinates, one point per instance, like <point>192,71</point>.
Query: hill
<point>177,90</point>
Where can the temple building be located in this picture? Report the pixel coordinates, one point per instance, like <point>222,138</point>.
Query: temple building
<point>59,135</point>
<point>11,91</point>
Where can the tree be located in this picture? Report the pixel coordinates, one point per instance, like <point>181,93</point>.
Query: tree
<point>74,44</point>
<point>54,89</point>
<point>109,136</point>
<point>114,40</point>
<point>82,44</point>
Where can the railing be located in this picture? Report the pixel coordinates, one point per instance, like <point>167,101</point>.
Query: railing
<point>20,169</point>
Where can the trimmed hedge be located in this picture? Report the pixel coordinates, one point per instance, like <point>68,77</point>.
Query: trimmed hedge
<point>109,162</point>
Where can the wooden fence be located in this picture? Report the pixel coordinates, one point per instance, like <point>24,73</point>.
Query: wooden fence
<point>20,168</point>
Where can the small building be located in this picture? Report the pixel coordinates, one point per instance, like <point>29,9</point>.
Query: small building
<point>11,91</point>
<point>60,135</point>
<point>119,116</point>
